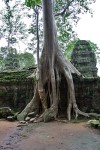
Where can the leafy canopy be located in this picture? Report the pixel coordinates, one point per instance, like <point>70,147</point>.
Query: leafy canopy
<point>66,14</point>
<point>32,3</point>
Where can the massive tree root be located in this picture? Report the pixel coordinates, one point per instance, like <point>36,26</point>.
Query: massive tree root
<point>52,66</point>
<point>47,90</point>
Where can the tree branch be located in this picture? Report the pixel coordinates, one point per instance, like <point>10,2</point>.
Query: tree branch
<point>64,10</point>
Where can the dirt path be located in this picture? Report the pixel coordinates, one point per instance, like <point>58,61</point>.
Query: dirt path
<point>50,136</point>
<point>6,129</point>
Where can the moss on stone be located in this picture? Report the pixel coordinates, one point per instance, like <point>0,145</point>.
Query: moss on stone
<point>84,59</point>
<point>15,75</point>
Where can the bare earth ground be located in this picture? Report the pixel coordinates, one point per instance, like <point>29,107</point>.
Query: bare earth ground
<point>48,136</point>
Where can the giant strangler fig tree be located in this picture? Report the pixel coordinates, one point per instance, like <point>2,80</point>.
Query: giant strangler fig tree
<point>52,66</point>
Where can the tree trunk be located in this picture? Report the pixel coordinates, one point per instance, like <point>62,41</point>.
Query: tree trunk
<point>52,64</point>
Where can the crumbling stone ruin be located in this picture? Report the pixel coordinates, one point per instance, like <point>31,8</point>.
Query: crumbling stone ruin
<point>16,90</point>
<point>84,59</point>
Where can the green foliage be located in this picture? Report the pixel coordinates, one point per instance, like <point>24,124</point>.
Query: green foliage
<point>67,14</point>
<point>8,58</point>
<point>14,31</point>
<point>12,27</point>
<point>93,46</point>
<point>2,54</point>
<point>94,123</point>
<point>32,3</point>
<point>26,59</point>
<point>11,59</point>
<point>69,49</point>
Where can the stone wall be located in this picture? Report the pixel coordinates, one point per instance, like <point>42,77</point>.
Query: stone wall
<point>87,92</point>
<point>15,89</point>
<point>17,93</point>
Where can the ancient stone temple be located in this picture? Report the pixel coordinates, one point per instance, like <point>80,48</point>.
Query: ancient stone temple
<point>84,59</point>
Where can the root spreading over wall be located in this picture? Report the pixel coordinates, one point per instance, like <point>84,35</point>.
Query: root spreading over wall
<point>52,65</point>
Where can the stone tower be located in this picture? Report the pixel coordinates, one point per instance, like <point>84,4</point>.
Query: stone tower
<point>84,59</point>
